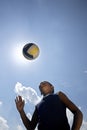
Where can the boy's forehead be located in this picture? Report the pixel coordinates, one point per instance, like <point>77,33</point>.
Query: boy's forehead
<point>45,82</point>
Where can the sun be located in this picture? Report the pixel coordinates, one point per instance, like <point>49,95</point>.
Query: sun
<point>17,54</point>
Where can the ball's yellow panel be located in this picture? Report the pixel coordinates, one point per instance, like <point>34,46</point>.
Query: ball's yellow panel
<point>33,50</point>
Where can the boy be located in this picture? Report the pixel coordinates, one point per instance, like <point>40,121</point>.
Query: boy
<point>50,113</point>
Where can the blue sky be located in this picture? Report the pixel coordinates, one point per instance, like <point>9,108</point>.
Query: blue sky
<point>59,28</point>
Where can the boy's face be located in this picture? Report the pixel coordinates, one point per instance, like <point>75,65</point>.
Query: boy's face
<point>46,88</point>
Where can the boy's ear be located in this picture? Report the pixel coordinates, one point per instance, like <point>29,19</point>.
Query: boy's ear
<point>52,87</point>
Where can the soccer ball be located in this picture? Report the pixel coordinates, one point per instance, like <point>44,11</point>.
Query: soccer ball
<point>31,51</point>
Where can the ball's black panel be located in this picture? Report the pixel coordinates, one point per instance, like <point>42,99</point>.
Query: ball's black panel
<point>25,48</point>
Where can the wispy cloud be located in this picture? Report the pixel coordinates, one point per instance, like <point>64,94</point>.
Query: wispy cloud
<point>3,124</point>
<point>70,117</point>
<point>19,127</point>
<point>84,125</point>
<point>3,121</point>
<point>28,93</point>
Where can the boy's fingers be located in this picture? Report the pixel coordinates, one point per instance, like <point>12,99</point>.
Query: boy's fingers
<point>19,98</point>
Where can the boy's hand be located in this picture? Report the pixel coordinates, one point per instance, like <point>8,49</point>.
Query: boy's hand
<point>19,103</point>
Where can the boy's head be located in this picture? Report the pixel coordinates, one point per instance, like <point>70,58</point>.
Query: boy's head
<point>46,88</point>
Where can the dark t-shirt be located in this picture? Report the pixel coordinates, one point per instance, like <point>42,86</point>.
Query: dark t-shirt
<point>51,113</point>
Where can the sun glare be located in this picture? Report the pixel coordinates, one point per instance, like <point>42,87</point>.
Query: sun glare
<point>18,56</point>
